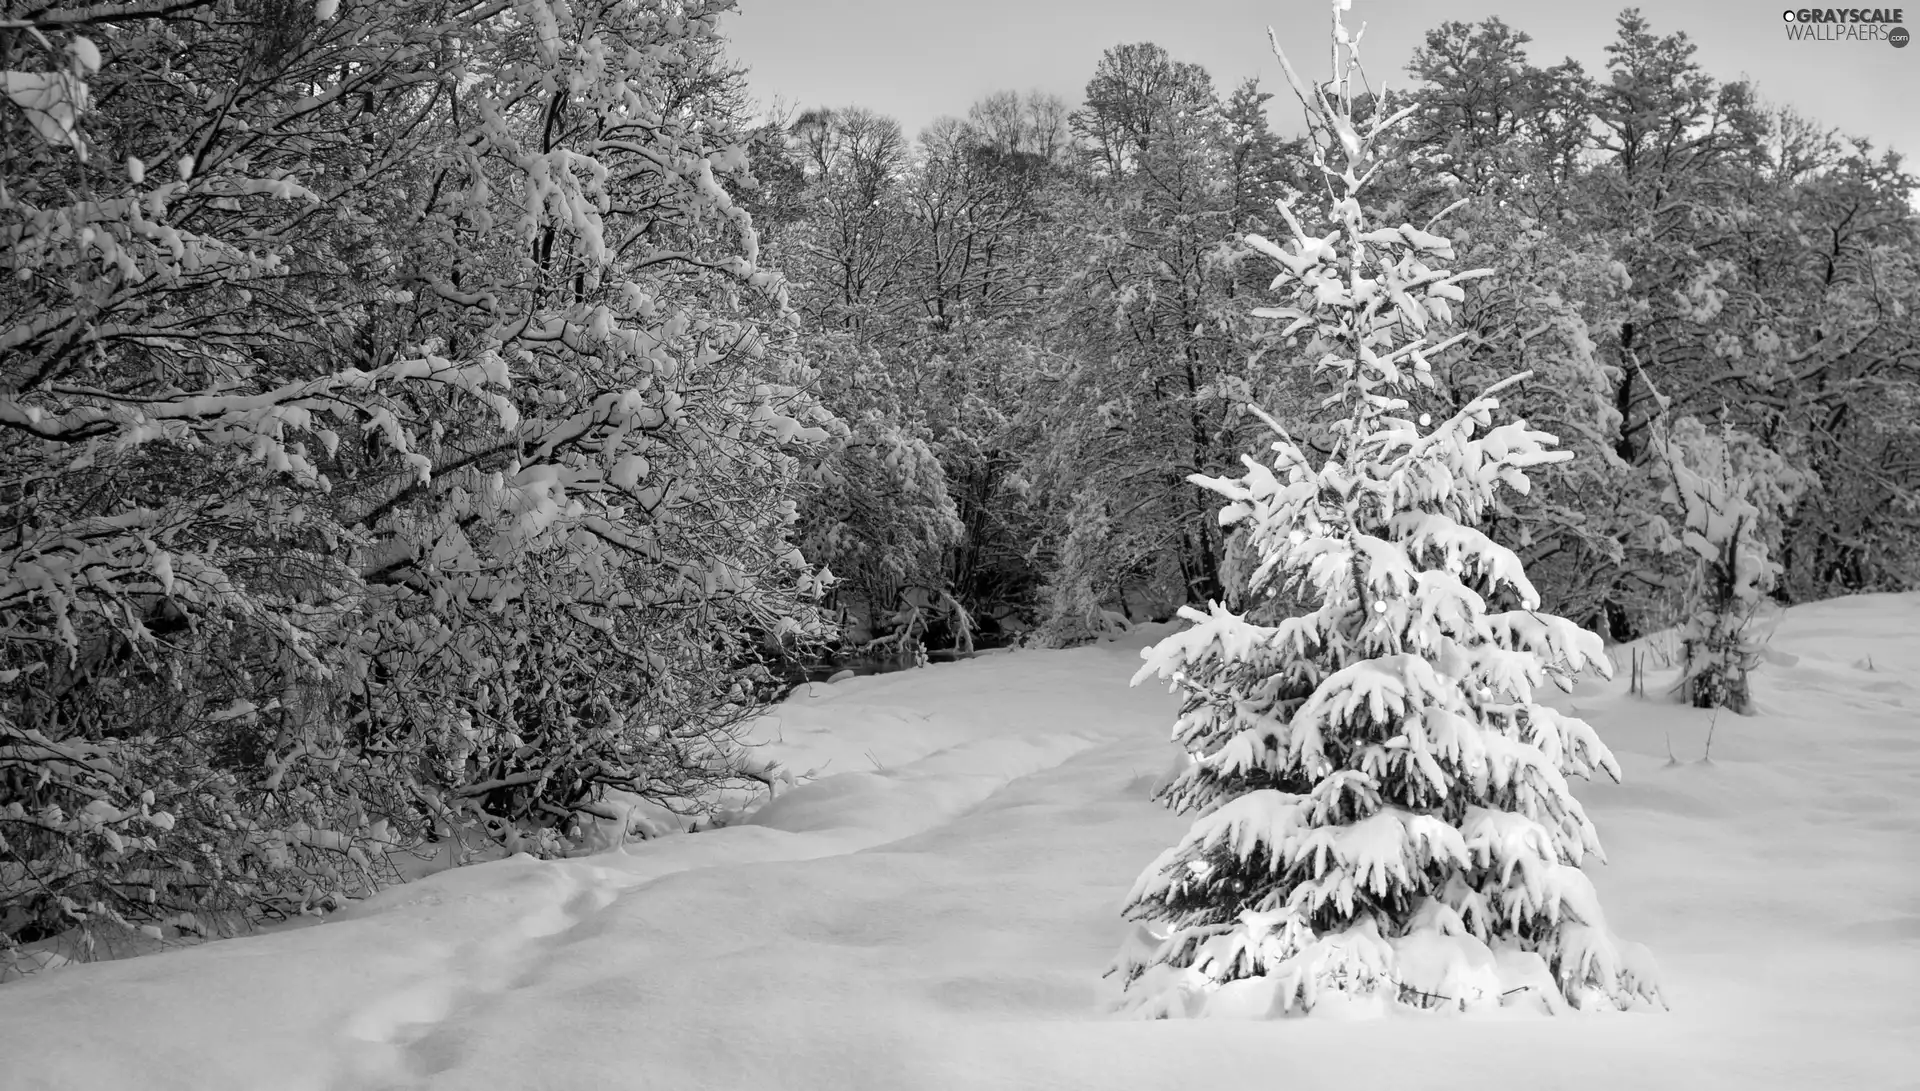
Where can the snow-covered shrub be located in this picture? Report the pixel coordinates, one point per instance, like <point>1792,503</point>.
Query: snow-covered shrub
<point>183,282</point>
<point>582,602</point>
<point>1732,496</point>
<point>1384,814</point>
<point>395,426</point>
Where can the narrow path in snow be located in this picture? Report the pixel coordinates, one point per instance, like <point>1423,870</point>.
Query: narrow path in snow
<point>413,1033</point>
<point>439,1024</point>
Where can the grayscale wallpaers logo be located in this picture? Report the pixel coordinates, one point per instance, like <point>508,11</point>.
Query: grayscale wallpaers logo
<point>1846,25</point>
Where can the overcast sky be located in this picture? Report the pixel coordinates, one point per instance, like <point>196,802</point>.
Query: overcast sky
<point>917,60</point>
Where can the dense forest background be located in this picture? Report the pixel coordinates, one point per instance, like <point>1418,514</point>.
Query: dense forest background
<point>419,419</point>
<point>1037,323</point>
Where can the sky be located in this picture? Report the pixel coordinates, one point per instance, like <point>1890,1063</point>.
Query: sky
<point>916,60</point>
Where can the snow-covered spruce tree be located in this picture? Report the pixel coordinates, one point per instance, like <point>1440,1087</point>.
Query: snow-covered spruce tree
<point>1384,814</point>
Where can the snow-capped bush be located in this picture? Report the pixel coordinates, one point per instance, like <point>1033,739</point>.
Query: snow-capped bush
<point>1732,496</point>
<point>420,454</point>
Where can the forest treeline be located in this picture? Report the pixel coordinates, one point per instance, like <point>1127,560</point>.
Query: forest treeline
<point>421,417</point>
<point>1037,322</point>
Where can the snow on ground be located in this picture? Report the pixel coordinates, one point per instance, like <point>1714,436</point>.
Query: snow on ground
<point>934,911</point>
